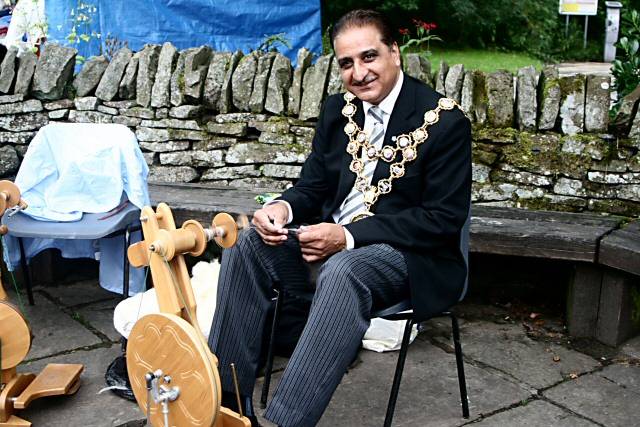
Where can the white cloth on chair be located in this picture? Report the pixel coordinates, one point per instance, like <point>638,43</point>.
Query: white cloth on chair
<point>71,168</point>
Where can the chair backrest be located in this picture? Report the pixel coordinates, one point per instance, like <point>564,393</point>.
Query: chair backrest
<point>464,248</point>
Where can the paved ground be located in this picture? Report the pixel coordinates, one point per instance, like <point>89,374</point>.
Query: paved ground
<point>521,371</point>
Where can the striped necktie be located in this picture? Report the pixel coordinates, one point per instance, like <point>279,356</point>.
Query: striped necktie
<point>354,203</point>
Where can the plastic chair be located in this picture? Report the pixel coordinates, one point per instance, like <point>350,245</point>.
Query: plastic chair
<point>92,226</point>
<point>399,311</point>
<point>82,182</point>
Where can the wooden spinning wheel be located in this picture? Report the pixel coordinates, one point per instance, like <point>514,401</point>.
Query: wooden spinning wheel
<point>18,390</point>
<point>173,374</point>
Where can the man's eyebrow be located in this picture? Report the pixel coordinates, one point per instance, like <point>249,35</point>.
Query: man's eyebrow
<point>369,52</point>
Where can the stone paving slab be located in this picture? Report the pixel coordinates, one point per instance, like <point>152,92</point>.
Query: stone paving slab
<point>598,398</point>
<point>86,408</point>
<point>100,316</point>
<point>429,394</point>
<point>78,293</point>
<point>54,331</point>
<point>624,375</point>
<point>632,347</point>
<point>535,414</point>
<point>506,348</point>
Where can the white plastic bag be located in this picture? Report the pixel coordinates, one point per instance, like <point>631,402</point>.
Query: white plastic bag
<point>386,335</point>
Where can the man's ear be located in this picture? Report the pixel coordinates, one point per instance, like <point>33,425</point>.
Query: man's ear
<point>395,52</point>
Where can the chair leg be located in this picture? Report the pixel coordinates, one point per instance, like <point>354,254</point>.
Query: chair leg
<point>462,382</point>
<point>125,264</point>
<point>395,387</point>
<point>269,364</point>
<point>25,272</point>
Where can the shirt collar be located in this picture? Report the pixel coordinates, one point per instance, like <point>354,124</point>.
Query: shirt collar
<point>386,105</point>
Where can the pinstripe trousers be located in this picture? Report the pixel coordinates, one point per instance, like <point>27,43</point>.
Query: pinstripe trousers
<point>349,286</point>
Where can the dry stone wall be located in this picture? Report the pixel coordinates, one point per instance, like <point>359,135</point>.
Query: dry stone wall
<point>540,141</point>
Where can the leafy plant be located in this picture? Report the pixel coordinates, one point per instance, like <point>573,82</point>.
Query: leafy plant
<point>81,18</point>
<point>112,45</point>
<point>626,67</point>
<point>423,37</point>
<point>270,43</point>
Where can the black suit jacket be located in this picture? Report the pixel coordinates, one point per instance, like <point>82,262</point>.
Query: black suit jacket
<point>423,215</point>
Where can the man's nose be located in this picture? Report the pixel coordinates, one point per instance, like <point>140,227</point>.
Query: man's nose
<point>359,71</point>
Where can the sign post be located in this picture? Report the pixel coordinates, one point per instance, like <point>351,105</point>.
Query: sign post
<point>578,7</point>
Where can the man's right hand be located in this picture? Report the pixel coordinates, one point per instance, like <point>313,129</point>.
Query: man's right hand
<point>270,221</point>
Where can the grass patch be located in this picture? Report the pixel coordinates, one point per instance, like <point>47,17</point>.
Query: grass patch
<point>483,60</point>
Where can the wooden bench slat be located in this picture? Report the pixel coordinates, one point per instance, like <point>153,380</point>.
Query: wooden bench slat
<point>621,249</point>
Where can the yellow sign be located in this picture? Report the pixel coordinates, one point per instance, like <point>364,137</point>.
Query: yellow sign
<point>578,7</point>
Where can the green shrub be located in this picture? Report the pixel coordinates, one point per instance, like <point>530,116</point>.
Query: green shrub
<point>626,67</point>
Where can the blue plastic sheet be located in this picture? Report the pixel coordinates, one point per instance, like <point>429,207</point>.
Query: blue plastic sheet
<point>225,25</point>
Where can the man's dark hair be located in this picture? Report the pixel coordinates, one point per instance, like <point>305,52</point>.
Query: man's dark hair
<point>362,18</point>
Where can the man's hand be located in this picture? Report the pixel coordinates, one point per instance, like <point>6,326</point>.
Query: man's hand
<point>269,222</point>
<point>319,241</point>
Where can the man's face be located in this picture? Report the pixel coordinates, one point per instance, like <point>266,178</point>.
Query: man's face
<point>369,67</point>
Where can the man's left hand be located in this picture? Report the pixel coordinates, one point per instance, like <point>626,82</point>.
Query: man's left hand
<point>319,241</point>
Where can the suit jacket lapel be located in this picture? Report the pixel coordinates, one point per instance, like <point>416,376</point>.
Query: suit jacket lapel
<point>405,107</point>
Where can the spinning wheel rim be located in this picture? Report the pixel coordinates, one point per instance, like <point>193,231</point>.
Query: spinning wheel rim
<point>168,342</point>
<point>15,334</point>
<point>14,194</point>
<point>228,224</point>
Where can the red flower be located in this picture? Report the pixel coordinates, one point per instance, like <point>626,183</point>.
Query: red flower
<point>404,31</point>
<point>429,26</point>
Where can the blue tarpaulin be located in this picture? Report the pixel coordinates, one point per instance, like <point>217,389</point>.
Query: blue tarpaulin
<point>225,25</point>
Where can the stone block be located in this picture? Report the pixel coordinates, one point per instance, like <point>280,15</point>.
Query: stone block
<point>303,62</point>
<point>549,95</point>
<point>165,146</point>
<point>147,68</point>
<point>140,112</point>
<point>161,92</point>
<point>127,87</point>
<point>171,123</point>
<point>480,173</point>
<point>89,77</point>
<point>8,99</point>
<point>335,83</point>
<point>107,110</point>
<point>499,87</point>
<point>441,76</point>
<point>240,117</point>
<point>127,121</point>
<point>9,161</point>
<point>628,105</point>
<point>233,129</point>
<point>58,114</point>
<point>86,103</point>
<point>634,132</point>
<point>31,105</point>
<point>252,152</point>
<point>225,103</point>
<point>259,91</point>
<point>526,99</point>
<point>276,138</point>
<point>466,95</point>
<point>278,85</point>
<point>215,142</point>
<point>596,108</point>
<point>242,81</point>
<point>53,71</point>
<point>272,126</point>
<point>172,174</point>
<point>196,64</point>
<point>121,104</point>
<point>480,99</point>
<point>57,105</point>
<point>186,111</point>
<point>281,171</point>
<point>264,184</point>
<point>19,138</point>
<point>89,117</point>
<point>314,88</point>
<point>419,67</point>
<point>8,69</point>
<point>26,67</point>
<point>108,87</point>
<point>215,79</point>
<point>230,172</point>
<point>24,122</point>
<point>572,90</point>
<point>453,82</point>
<point>162,135</point>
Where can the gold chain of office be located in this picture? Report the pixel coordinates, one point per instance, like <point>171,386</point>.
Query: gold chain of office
<point>406,145</point>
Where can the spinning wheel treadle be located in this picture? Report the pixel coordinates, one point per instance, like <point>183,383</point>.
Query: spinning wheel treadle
<point>169,343</point>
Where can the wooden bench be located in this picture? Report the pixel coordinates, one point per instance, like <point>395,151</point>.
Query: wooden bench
<point>594,245</point>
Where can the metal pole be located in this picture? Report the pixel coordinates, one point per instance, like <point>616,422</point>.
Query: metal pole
<point>586,27</point>
<point>566,26</point>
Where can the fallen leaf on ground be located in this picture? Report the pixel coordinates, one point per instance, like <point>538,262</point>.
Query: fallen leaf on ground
<point>556,358</point>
